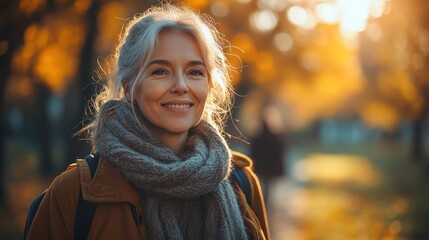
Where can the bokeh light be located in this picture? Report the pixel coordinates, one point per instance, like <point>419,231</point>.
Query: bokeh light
<point>301,17</point>
<point>283,41</point>
<point>327,12</point>
<point>263,20</point>
<point>219,9</point>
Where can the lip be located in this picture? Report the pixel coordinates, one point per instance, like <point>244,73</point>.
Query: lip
<point>179,105</point>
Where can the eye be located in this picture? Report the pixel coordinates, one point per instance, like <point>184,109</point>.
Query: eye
<point>197,73</point>
<point>159,72</point>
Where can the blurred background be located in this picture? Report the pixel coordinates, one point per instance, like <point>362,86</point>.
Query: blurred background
<point>338,88</point>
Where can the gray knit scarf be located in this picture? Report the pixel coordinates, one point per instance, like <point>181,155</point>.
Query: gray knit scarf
<point>183,197</point>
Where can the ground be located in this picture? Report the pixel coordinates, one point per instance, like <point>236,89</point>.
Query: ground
<point>370,191</point>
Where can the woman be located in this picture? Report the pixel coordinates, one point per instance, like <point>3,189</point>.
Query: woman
<point>158,132</point>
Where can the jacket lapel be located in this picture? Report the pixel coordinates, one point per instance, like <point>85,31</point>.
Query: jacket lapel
<point>107,185</point>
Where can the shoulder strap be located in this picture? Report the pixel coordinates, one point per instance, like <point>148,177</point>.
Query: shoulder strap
<point>32,213</point>
<point>85,210</point>
<point>242,180</point>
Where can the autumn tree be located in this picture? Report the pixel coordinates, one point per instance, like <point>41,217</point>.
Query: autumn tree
<point>16,16</point>
<point>52,49</point>
<point>394,56</point>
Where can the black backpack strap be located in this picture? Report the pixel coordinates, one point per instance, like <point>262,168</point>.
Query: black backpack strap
<point>32,213</point>
<point>242,180</point>
<point>85,210</point>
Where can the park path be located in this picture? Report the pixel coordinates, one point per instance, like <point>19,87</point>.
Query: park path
<point>345,196</point>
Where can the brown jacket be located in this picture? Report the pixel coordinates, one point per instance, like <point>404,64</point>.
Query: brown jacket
<point>113,218</point>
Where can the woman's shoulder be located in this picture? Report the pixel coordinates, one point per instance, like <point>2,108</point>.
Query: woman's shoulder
<point>241,160</point>
<point>66,185</point>
<point>255,213</point>
<point>67,177</point>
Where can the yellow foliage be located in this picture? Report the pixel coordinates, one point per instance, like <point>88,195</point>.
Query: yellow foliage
<point>265,68</point>
<point>31,33</point>
<point>51,51</point>
<point>110,20</point>
<point>21,61</point>
<point>380,115</point>
<point>197,4</point>
<point>399,85</point>
<point>337,169</point>
<point>344,215</point>
<point>56,67</point>
<point>250,112</point>
<point>242,50</point>
<point>82,6</point>
<point>322,94</point>
<point>331,78</point>
<point>245,43</point>
<point>236,70</point>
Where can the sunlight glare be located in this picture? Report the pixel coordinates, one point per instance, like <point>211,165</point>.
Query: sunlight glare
<point>354,14</point>
<point>297,15</point>
<point>327,13</point>
<point>377,8</point>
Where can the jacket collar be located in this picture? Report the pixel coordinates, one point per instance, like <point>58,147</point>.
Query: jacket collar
<point>107,185</point>
<point>240,160</point>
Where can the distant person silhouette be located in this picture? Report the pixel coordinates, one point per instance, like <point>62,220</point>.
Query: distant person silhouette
<point>267,150</point>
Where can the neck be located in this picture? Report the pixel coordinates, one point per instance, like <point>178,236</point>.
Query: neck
<point>175,141</point>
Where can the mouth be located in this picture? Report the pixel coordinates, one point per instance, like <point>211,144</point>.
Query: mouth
<point>177,106</point>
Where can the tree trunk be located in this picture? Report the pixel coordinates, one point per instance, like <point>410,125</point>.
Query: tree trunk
<point>43,131</point>
<point>12,32</point>
<point>417,143</point>
<point>4,73</point>
<point>86,87</point>
<point>3,200</point>
<point>9,33</point>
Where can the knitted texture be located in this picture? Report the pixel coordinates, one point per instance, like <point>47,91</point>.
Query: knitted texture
<point>183,197</point>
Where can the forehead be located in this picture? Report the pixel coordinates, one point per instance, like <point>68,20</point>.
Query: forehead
<point>171,42</point>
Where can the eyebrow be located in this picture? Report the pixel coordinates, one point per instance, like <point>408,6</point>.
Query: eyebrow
<point>165,62</point>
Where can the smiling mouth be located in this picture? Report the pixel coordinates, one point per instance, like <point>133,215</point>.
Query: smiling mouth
<point>177,106</point>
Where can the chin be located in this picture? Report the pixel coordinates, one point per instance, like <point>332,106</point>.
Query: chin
<point>180,126</point>
<point>179,129</point>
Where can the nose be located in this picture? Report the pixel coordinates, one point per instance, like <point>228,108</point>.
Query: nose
<point>180,86</point>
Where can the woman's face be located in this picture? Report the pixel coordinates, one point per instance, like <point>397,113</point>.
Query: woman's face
<point>174,89</point>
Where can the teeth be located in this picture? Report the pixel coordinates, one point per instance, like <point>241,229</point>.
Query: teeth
<point>177,105</point>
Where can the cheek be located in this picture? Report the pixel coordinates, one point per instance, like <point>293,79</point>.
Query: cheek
<point>143,97</point>
<point>202,91</point>
<point>202,98</point>
<point>146,92</point>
